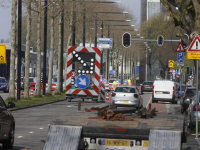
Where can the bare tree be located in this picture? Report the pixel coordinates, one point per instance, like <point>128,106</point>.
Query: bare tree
<point>13,50</point>
<point>26,87</point>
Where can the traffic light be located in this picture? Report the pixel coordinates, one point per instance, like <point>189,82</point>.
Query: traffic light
<point>188,70</point>
<point>160,40</point>
<point>126,39</point>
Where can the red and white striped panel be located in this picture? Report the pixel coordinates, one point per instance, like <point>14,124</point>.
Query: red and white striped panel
<point>96,73</point>
<point>102,92</point>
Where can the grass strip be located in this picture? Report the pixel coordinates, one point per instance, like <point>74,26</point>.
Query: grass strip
<point>35,100</point>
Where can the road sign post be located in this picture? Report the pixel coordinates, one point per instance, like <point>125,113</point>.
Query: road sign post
<point>193,52</point>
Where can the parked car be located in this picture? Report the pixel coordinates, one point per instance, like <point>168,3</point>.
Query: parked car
<point>194,111</point>
<point>7,124</point>
<point>164,90</point>
<point>147,86</point>
<point>4,85</point>
<point>181,90</point>
<point>187,98</point>
<point>127,96</point>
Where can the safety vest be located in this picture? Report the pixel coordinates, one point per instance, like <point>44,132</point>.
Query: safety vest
<point>115,84</point>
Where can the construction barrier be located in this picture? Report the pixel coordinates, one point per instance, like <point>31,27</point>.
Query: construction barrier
<point>102,92</point>
<point>53,86</point>
<point>107,97</point>
<point>31,94</point>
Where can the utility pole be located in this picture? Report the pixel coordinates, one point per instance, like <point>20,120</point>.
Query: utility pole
<point>19,48</point>
<point>62,41</point>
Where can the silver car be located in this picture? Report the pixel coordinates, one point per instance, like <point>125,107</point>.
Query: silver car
<point>127,96</point>
<point>193,111</point>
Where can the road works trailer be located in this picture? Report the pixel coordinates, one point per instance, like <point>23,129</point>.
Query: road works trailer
<point>84,130</point>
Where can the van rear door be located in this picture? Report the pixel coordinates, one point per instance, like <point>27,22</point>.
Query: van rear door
<point>164,90</point>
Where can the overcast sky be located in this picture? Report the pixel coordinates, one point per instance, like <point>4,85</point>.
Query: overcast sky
<point>132,6</point>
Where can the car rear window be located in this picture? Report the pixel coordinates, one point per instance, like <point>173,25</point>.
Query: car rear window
<point>2,80</point>
<point>31,80</point>
<point>148,83</point>
<point>111,81</point>
<point>125,89</point>
<point>191,92</point>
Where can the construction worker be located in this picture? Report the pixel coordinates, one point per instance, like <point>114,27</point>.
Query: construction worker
<point>129,82</point>
<point>115,84</point>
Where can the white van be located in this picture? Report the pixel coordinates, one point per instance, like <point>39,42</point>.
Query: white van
<point>164,90</point>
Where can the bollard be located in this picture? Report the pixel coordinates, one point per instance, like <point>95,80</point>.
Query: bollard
<point>79,105</point>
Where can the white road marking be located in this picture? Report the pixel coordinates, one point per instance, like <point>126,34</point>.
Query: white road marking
<point>31,132</point>
<point>19,137</point>
<point>41,128</point>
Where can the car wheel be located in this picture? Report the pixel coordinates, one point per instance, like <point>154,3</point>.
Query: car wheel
<point>191,126</point>
<point>83,99</point>
<point>10,142</point>
<point>141,92</point>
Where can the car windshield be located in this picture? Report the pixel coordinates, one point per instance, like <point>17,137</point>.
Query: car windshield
<point>54,79</point>
<point>2,80</point>
<point>148,83</point>
<point>191,92</point>
<point>125,89</point>
<point>111,81</point>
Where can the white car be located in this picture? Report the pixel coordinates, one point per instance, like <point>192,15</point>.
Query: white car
<point>164,90</point>
<point>127,96</point>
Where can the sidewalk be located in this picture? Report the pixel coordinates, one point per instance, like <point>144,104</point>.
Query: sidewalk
<point>192,142</point>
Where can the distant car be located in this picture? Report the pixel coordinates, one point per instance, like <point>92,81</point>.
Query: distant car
<point>4,85</point>
<point>194,111</point>
<point>127,96</point>
<point>187,98</point>
<point>147,86</point>
<point>7,124</point>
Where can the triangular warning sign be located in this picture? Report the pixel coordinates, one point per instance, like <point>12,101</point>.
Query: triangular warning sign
<point>180,48</point>
<point>195,45</point>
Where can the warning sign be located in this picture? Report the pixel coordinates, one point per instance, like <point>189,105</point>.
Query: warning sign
<point>195,45</point>
<point>2,54</point>
<point>180,48</point>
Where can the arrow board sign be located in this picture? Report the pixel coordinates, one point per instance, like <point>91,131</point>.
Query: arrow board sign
<point>82,82</point>
<point>109,46</point>
<point>104,40</point>
<point>180,48</point>
<point>195,45</point>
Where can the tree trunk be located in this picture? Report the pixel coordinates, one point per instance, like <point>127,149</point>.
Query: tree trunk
<point>59,54</point>
<point>26,87</point>
<point>13,50</point>
<point>39,49</point>
<point>50,76</point>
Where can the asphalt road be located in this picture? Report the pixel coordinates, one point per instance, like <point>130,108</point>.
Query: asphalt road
<point>32,123</point>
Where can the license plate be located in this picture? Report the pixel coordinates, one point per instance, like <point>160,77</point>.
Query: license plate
<point>117,142</point>
<point>125,101</point>
<point>159,92</point>
<point>148,87</point>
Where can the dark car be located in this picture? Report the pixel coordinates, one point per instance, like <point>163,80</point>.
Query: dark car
<point>4,85</point>
<point>7,124</point>
<point>187,98</point>
<point>147,86</point>
<point>181,90</point>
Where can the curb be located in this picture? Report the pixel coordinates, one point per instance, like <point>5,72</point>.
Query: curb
<point>30,106</point>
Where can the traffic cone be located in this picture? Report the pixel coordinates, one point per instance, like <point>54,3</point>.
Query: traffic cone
<point>107,97</point>
<point>31,94</point>
<point>22,93</point>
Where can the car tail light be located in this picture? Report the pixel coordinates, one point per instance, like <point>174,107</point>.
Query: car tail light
<point>113,94</point>
<point>185,94</point>
<point>135,95</point>
<point>173,89</point>
<point>194,108</point>
<point>153,89</point>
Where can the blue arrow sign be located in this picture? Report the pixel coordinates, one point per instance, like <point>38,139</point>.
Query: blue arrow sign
<point>104,40</point>
<point>82,81</point>
<point>112,72</point>
<point>180,57</point>
<point>125,81</point>
<point>100,79</point>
